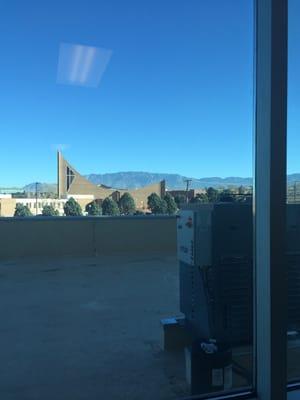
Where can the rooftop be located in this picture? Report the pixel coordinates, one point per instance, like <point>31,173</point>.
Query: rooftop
<point>89,328</point>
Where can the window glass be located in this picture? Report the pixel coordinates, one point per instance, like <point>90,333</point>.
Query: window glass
<point>138,114</point>
<point>293,198</point>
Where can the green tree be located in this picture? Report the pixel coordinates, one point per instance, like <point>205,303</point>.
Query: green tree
<point>161,208</point>
<point>72,208</point>
<point>171,204</point>
<point>179,199</point>
<point>227,196</point>
<point>200,198</point>
<point>212,194</point>
<point>22,210</point>
<point>49,211</point>
<point>110,207</point>
<point>126,204</point>
<point>153,201</point>
<point>156,204</point>
<point>93,209</point>
<point>138,212</point>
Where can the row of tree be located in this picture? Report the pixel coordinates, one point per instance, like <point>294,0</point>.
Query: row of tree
<point>157,205</point>
<point>22,210</point>
<point>125,206</point>
<point>212,195</point>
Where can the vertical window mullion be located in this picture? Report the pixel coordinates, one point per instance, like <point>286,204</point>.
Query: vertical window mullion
<point>270,198</point>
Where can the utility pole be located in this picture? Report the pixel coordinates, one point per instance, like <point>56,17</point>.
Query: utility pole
<point>187,181</point>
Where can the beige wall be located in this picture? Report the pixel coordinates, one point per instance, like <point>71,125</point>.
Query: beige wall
<point>86,236</point>
<point>82,202</point>
<point>80,186</point>
<point>140,195</point>
<point>7,207</point>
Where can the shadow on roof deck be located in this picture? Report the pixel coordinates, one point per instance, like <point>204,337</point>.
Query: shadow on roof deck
<point>89,328</point>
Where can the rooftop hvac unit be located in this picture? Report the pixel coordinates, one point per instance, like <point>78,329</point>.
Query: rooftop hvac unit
<point>215,252</point>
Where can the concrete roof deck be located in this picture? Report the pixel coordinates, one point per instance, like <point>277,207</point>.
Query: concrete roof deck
<point>89,328</point>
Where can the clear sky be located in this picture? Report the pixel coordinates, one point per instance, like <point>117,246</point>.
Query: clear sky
<point>175,92</point>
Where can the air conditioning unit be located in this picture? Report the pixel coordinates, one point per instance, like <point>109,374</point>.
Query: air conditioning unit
<point>215,257</point>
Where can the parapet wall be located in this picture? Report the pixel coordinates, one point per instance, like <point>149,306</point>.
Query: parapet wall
<point>86,236</point>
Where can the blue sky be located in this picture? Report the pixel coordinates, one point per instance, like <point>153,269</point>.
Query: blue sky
<point>175,96</point>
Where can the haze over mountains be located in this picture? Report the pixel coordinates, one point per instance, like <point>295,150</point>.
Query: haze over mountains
<point>173,181</point>
<point>133,180</point>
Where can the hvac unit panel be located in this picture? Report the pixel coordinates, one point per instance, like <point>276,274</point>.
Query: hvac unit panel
<point>186,237</point>
<point>194,235</point>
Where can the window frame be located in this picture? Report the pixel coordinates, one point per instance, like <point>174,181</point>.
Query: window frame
<point>269,207</point>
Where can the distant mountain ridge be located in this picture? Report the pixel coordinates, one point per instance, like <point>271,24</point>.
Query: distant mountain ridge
<point>137,179</point>
<point>42,187</point>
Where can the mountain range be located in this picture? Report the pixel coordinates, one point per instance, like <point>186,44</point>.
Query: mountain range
<point>132,180</point>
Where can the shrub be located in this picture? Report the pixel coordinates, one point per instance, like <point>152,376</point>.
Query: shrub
<point>72,208</point>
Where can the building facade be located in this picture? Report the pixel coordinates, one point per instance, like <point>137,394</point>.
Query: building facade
<point>71,183</point>
<point>8,205</point>
<point>189,195</point>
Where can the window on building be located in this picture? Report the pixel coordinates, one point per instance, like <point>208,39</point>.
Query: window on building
<point>70,177</point>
